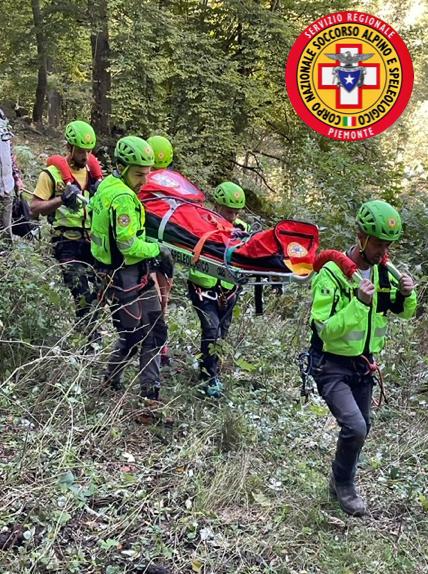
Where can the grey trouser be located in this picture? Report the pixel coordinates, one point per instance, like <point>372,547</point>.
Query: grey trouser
<point>138,318</point>
<point>346,385</point>
<point>6,204</point>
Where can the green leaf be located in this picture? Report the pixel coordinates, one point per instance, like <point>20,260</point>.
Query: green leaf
<point>246,366</point>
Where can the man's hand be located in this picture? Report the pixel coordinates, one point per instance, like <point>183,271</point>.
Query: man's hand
<point>406,285</point>
<point>366,291</point>
<point>69,196</point>
<point>167,262</point>
<point>94,187</point>
<point>164,263</point>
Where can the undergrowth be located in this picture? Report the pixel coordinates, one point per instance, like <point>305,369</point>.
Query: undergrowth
<point>237,485</point>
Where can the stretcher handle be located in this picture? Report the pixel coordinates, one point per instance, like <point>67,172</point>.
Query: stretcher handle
<point>348,266</point>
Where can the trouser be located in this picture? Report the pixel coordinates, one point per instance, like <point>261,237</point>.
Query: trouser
<point>346,385</point>
<point>6,205</point>
<point>138,318</point>
<point>215,310</point>
<point>80,277</point>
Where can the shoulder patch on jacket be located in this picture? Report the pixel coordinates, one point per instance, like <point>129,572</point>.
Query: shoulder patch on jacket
<point>123,220</point>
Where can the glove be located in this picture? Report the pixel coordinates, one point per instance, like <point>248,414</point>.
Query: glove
<point>69,197</point>
<point>164,263</point>
<point>94,187</point>
<point>239,233</point>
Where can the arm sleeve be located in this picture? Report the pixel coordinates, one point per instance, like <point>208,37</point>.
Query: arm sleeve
<point>44,187</point>
<point>332,325</point>
<point>130,239</point>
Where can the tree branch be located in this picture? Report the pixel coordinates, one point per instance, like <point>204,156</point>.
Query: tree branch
<point>257,172</point>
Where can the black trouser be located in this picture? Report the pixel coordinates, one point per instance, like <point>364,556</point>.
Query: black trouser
<point>346,385</point>
<point>215,317</point>
<point>77,266</point>
<point>138,318</point>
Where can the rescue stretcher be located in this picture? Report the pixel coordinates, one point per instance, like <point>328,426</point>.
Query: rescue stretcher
<point>201,239</point>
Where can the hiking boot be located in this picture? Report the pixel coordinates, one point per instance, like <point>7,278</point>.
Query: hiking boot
<point>150,391</point>
<point>116,383</point>
<point>347,497</point>
<point>214,388</point>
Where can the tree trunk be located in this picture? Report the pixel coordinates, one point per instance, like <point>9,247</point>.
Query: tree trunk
<point>54,107</point>
<point>101,78</point>
<point>42,74</point>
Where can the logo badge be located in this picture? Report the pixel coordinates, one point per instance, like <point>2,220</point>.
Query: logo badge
<point>349,76</point>
<point>123,220</point>
<point>294,249</point>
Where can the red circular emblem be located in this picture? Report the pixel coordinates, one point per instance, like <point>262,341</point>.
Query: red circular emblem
<point>349,76</point>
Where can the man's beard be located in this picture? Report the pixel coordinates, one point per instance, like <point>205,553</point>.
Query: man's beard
<point>80,164</point>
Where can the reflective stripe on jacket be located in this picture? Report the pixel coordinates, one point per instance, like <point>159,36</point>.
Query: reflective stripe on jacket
<point>117,231</point>
<point>62,216</point>
<point>342,324</point>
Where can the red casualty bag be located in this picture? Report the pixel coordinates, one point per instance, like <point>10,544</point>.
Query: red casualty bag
<point>289,247</point>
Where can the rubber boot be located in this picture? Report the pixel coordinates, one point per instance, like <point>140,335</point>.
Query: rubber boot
<point>348,498</point>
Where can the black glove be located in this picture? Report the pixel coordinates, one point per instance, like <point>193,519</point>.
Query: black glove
<point>164,263</point>
<point>93,188</point>
<point>69,197</point>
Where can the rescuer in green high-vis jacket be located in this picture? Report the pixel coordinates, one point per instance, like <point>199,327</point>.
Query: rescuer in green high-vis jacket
<point>349,325</point>
<point>118,243</point>
<point>70,223</point>
<point>164,156</point>
<point>213,299</point>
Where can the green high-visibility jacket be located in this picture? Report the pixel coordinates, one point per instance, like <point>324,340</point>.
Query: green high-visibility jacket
<point>117,231</point>
<point>62,216</point>
<point>206,281</point>
<point>342,324</point>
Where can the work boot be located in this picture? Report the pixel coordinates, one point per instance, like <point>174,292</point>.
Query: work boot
<point>346,495</point>
<point>116,383</point>
<point>150,391</point>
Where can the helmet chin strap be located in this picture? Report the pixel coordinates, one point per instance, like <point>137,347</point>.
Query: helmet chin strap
<point>362,249</point>
<point>120,174</point>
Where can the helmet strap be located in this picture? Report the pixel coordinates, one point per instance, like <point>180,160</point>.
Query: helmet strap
<point>362,248</point>
<point>121,173</point>
<point>70,154</point>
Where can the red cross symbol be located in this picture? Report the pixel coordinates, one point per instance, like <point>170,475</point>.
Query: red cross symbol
<point>345,99</point>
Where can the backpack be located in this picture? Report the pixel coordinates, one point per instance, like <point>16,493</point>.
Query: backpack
<point>22,224</point>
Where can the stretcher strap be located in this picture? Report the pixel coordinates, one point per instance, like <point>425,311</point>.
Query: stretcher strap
<point>197,250</point>
<point>228,253</point>
<point>172,207</point>
<point>200,245</point>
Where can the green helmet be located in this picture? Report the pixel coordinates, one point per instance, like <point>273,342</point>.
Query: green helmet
<point>230,195</point>
<point>379,219</point>
<point>162,148</point>
<point>132,150</point>
<point>80,134</point>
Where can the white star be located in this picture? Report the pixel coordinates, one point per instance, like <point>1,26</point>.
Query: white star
<point>349,79</point>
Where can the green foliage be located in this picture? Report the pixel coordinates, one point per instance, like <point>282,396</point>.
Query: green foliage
<point>31,311</point>
<point>237,485</point>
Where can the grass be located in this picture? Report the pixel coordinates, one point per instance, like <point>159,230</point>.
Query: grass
<point>216,487</point>
<point>237,485</point>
